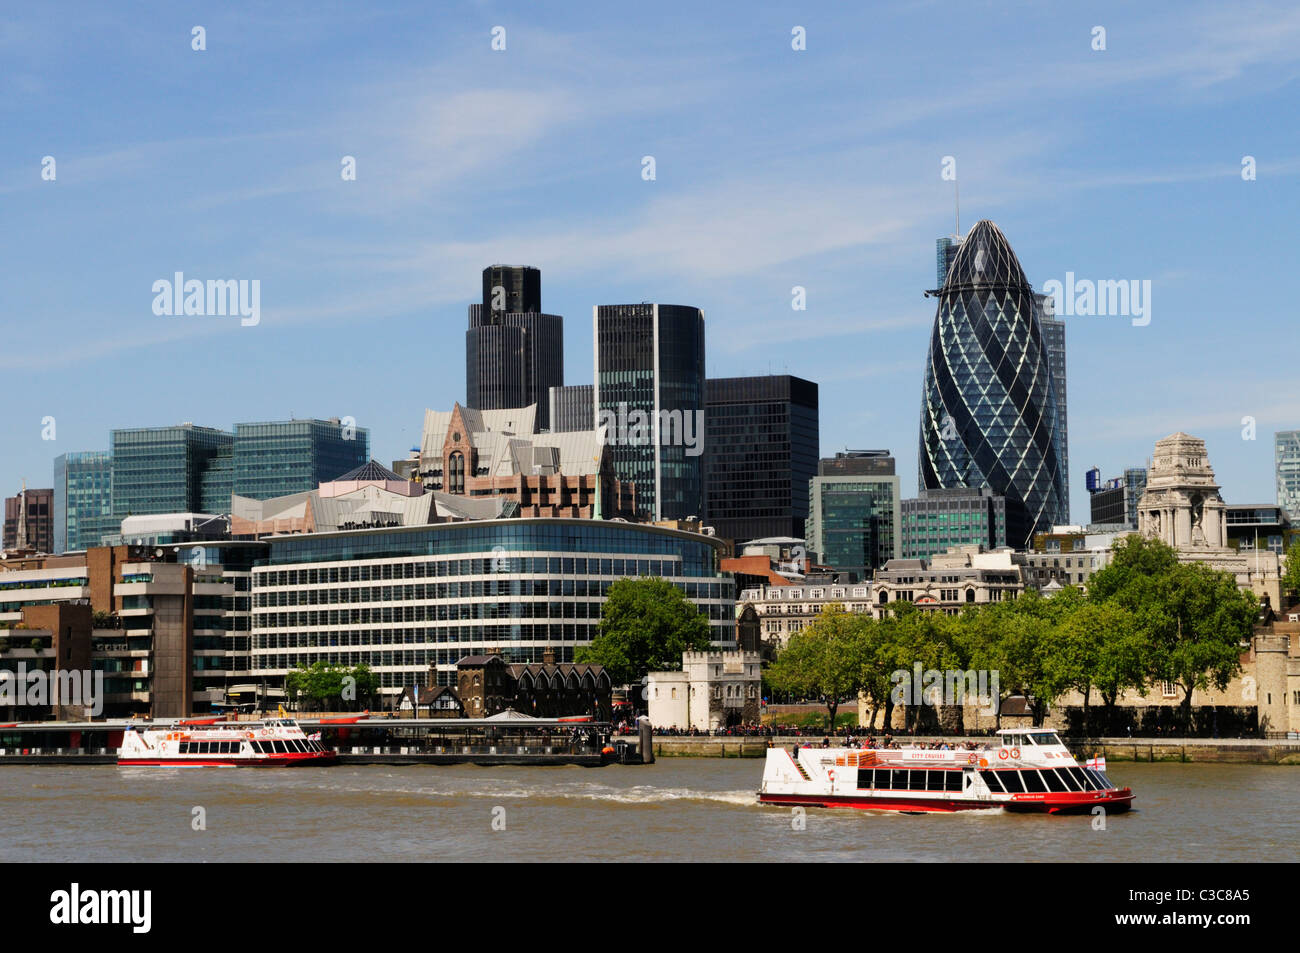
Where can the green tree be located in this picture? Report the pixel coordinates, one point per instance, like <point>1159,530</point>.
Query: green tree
<point>1209,620</point>
<point>823,660</point>
<point>1291,571</point>
<point>320,683</point>
<point>645,625</point>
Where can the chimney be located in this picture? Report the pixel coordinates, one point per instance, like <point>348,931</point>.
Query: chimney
<point>548,656</point>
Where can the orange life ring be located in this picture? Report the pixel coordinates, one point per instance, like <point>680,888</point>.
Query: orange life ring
<point>1015,753</point>
<point>1002,753</point>
<point>266,732</point>
<point>248,734</point>
<point>830,775</point>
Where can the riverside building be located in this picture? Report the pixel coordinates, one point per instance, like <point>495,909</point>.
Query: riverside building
<point>409,600</point>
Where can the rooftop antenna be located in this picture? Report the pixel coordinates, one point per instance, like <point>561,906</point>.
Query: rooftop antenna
<point>957,191</point>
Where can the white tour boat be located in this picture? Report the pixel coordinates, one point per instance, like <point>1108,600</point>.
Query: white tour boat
<point>1027,770</point>
<point>275,742</point>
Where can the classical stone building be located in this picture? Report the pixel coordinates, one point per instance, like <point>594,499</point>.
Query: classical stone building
<point>1182,508</point>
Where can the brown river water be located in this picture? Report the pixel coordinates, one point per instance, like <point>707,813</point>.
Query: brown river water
<point>680,809</point>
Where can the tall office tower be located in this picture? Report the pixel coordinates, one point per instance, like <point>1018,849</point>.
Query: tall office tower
<point>1286,461</point>
<point>1054,340</point>
<point>573,408</point>
<point>854,511</point>
<point>29,520</point>
<point>514,354</point>
<point>1114,502</point>
<point>760,451</point>
<point>988,405</point>
<point>181,469</point>
<point>940,519</point>
<point>83,500</point>
<point>945,250</point>
<point>277,458</point>
<point>649,394</point>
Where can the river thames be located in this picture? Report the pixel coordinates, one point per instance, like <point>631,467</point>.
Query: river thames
<point>680,809</point>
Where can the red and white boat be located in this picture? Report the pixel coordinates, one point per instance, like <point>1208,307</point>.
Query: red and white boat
<point>1028,770</point>
<point>276,742</point>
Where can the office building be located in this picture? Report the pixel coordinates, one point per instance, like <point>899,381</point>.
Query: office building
<point>945,250</point>
<point>649,395</point>
<point>83,500</point>
<point>854,512</point>
<point>1053,329</point>
<point>573,408</point>
<point>410,600</point>
<point>760,451</point>
<point>938,520</point>
<point>989,405</point>
<point>29,520</point>
<point>514,354</point>
<point>276,458</point>
<point>1286,462</point>
<point>181,469</point>
<point>1114,502</point>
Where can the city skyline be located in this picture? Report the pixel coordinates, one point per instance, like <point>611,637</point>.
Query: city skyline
<point>227,173</point>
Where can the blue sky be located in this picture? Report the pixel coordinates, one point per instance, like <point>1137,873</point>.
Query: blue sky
<point>774,168</point>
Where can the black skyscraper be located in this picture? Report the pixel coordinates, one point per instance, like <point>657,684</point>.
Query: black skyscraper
<point>760,452</point>
<point>514,354</point>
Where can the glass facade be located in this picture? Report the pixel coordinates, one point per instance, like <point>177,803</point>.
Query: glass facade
<point>573,408</point>
<point>1286,459</point>
<point>406,599</point>
<point>83,500</point>
<point>514,354</point>
<point>278,458</point>
<point>989,406</point>
<point>853,526</point>
<point>945,250</point>
<point>163,469</point>
<point>761,450</point>
<point>1115,503</point>
<point>940,519</point>
<point>650,367</point>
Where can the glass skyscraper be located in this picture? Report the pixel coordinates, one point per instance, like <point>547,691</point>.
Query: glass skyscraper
<point>1286,460</point>
<point>276,458</point>
<point>989,402</point>
<point>83,499</point>
<point>939,519</point>
<point>514,354</point>
<point>760,452</point>
<point>649,391</point>
<point>854,512</point>
<point>163,470</point>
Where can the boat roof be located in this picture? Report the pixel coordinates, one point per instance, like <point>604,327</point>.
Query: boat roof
<point>1026,731</point>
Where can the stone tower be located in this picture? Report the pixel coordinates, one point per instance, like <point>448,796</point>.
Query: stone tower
<point>1271,681</point>
<point>1182,506</point>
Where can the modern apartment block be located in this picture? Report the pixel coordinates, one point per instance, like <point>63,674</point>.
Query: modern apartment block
<point>29,520</point>
<point>938,520</point>
<point>650,394</point>
<point>1286,461</point>
<point>514,354</point>
<point>1114,502</point>
<point>760,451</point>
<point>854,511</point>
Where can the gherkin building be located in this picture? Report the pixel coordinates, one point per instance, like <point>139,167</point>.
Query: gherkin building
<point>989,408</point>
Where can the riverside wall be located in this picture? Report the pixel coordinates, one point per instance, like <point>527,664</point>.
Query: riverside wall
<point>1190,750</point>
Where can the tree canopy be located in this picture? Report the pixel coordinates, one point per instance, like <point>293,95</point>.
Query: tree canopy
<point>645,625</point>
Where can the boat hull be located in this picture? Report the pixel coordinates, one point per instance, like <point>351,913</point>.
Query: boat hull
<point>295,760</point>
<point>1114,802</point>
